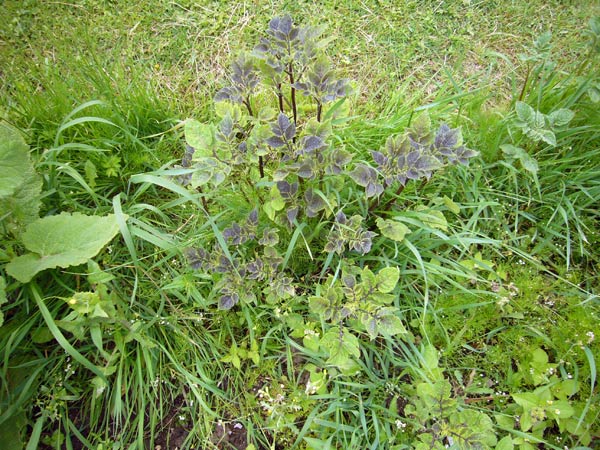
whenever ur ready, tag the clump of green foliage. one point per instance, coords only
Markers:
(305, 192)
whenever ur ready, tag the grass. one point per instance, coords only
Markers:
(100, 90)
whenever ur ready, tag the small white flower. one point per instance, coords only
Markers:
(591, 336)
(400, 425)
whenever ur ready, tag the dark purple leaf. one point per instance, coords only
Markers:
(291, 214)
(283, 121)
(379, 158)
(373, 189)
(197, 257)
(228, 301)
(314, 202)
(287, 190)
(312, 143)
(363, 175)
(290, 131)
(275, 142)
(253, 218)
(306, 170)
(446, 137)
(340, 218)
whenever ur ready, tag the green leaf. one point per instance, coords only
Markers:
(525, 112)
(13, 432)
(542, 135)
(41, 335)
(594, 92)
(433, 218)
(83, 302)
(388, 323)
(559, 409)
(274, 204)
(3, 298)
(420, 129)
(386, 279)
(527, 162)
(451, 205)
(341, 345)
(430, 358)
(560, 117)
(392, 229)
(505, 443)
(14, 160)
(200, 136)
(90, 173)
(527, 400)
(318, 305)
(63, 240)
(20, 186)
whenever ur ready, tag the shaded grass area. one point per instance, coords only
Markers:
(515, 272)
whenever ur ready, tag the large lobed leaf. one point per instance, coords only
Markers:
(63, 240)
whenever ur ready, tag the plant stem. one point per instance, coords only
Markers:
(261, 168)
(293, 94)
(248, 107)
(319, 110)
(203, 198)
(391, 201)
(280, 97)
(522, 94)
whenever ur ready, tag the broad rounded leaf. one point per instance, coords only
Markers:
(560, 117)
(525, 112)
(390, 324)
(61, 241)
(387, 278)
(14, 160)
(200, 136)
(392, 229)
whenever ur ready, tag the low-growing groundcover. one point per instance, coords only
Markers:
(304, 278)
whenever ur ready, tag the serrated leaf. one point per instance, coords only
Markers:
(392, 229)
(319, 305)
(201, 136)
(312, 143)
(420, 129)
(386, 279)
(63, 240)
